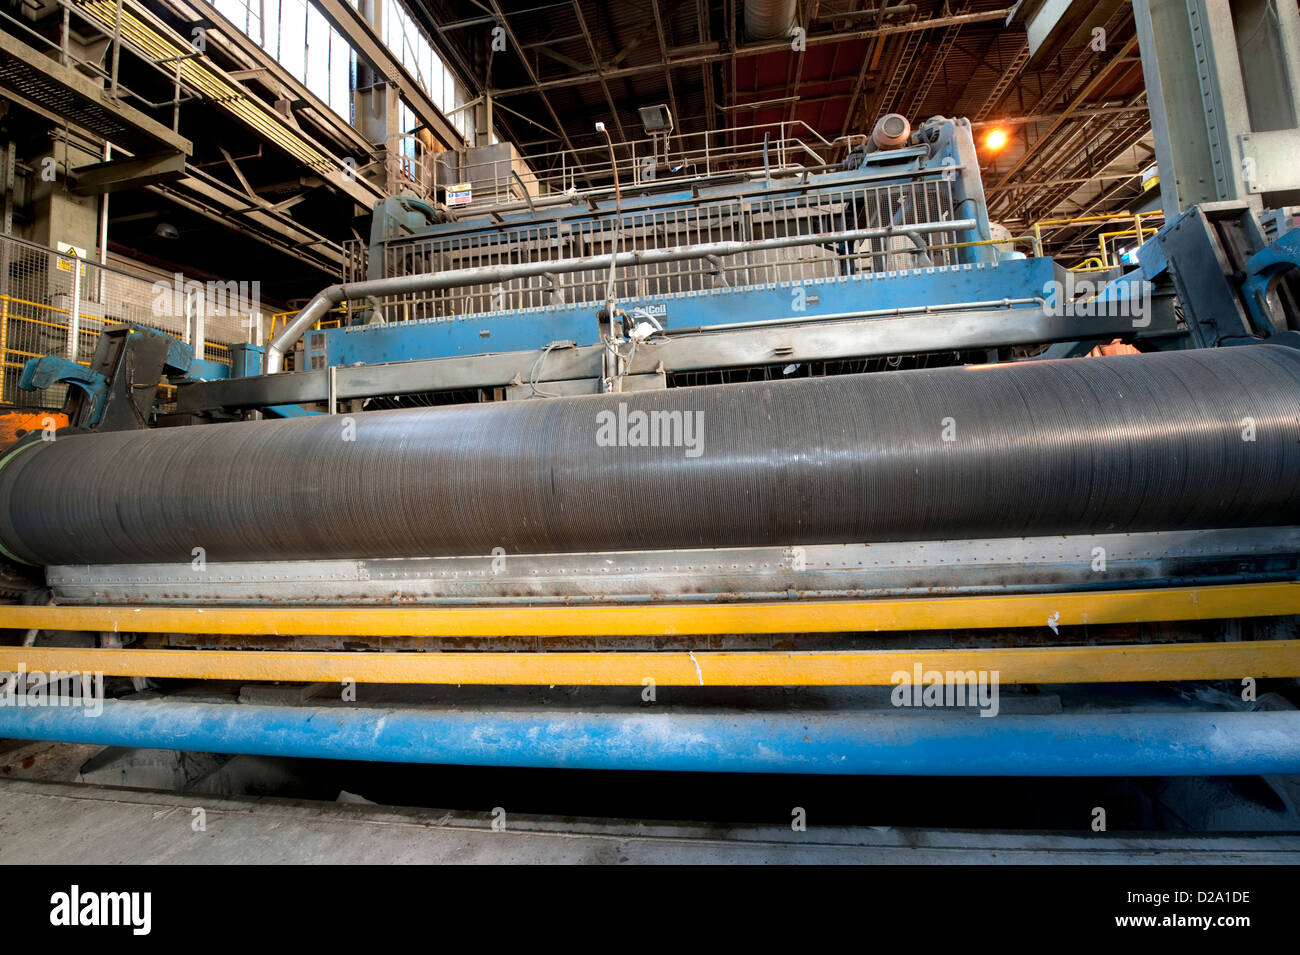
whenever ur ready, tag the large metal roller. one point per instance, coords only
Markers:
(1207, 438)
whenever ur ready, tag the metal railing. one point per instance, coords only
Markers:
(408, 167)
(54, 303)
(280, 319)
(105, 65)
(682, 157)
(1138, 231)
(356, 258)
(900, 206)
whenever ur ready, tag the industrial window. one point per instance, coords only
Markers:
(408, 42)
(245, 14)
(299, 36)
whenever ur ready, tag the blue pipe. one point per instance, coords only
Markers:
(842, 742)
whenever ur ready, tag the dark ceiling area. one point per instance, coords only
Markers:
(1073, 114)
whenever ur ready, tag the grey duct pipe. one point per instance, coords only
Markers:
(1182, 440)
(319, 306)
(769, 19)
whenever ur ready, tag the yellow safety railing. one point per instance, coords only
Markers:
(4, 343)
(17, 312)
(332, 319)
(1091, 264)
(1136, 229)
(11, 311)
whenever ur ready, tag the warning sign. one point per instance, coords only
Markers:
(65, 265)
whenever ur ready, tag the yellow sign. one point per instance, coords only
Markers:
(65, 265)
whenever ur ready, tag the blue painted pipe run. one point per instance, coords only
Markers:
(842, 742)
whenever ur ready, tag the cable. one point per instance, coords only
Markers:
(541, 363)
(626, 365)
(610, 298)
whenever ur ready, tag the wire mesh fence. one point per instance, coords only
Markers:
(54, 303)
(896, 206)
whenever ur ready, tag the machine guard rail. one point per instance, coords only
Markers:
(405, 284)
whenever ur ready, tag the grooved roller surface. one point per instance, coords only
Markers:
(1123, 443)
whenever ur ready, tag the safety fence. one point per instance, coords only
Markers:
(56, 303)
(914, 213)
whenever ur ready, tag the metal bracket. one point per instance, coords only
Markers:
(40, 373)
(1268, 160)
(1263, 269)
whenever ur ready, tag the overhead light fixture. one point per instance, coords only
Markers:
(165, 230)
(996, 139)
(656, 120)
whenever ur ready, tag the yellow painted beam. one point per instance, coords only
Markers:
(802, 616)
(1108, 664)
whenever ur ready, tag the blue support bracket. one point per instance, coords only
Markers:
(246, 360)
(1263, 268)
(50, 370)
(179, 354)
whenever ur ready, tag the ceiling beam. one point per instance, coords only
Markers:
(689, 56)
(1091, 87)
(595, 58)
(532, 75)
(663, 54)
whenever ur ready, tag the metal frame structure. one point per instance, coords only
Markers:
(1236, 140)
(722, 575)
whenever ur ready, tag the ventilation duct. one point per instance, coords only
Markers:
(768, 19)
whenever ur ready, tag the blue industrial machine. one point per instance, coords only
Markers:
(772, 269)
(794, 264)
(687, 434)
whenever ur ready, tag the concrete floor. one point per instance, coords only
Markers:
(61, 823)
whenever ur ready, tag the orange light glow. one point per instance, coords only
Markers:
(996, 139)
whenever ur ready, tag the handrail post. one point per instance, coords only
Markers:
(117, 47)
(4, 343)
(74, 319)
